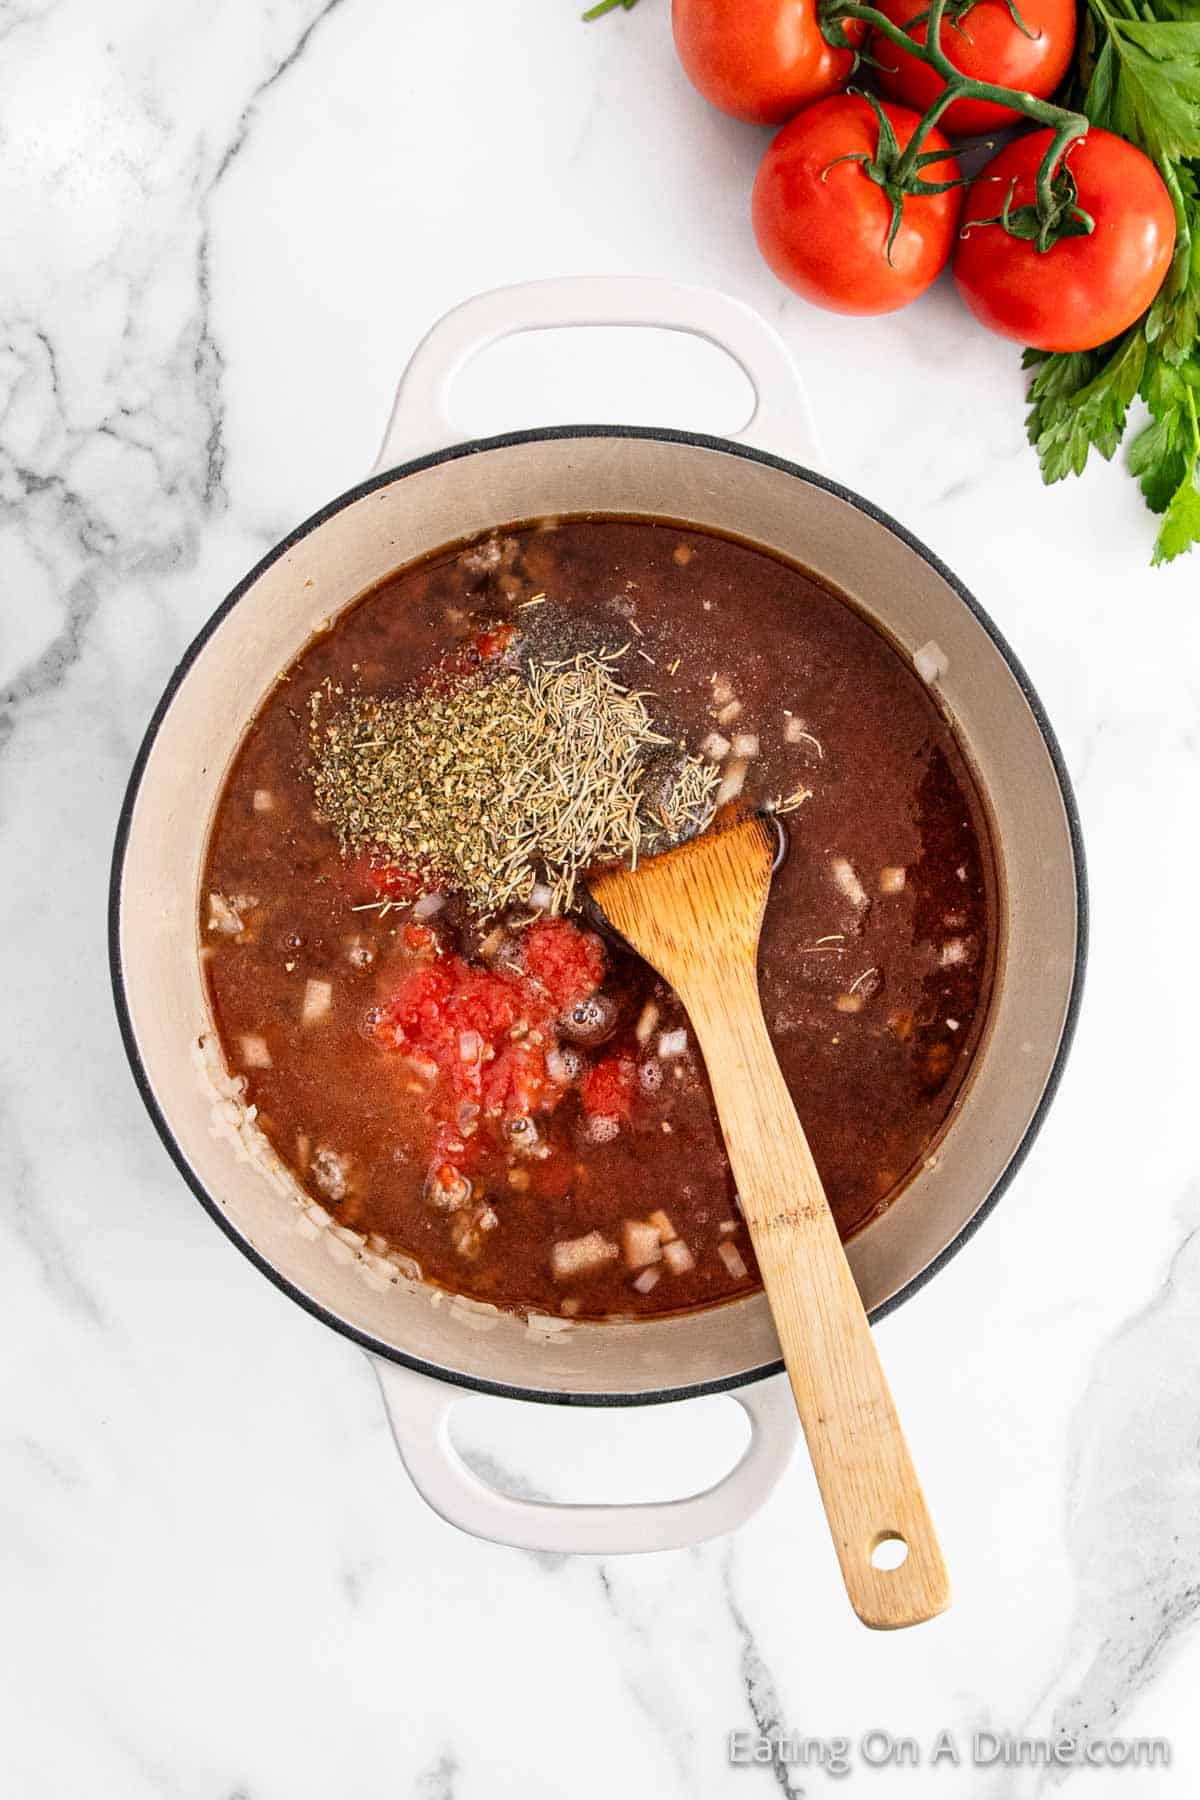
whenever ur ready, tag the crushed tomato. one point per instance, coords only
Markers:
(484, 1034)
(568, 963)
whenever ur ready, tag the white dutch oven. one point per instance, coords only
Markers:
(424, 495)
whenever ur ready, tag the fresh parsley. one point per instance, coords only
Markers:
(1138, 74)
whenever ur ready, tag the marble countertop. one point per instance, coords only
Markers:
(225, 226)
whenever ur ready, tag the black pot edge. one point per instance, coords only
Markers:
(506, 440)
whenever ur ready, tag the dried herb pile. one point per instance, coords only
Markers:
(501, 782)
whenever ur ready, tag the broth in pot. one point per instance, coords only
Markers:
(437, 1040)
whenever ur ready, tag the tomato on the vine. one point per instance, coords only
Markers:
(1086, 288)
(1029, 49)
(823, 222)
(760, 60)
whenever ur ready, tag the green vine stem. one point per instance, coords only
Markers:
(1052, 207)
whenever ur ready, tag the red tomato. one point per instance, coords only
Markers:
(759, 59)
(987, 43)
(1082, 291)
(824, 229)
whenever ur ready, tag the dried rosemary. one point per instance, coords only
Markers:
(501, 782)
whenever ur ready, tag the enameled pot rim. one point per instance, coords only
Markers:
(451, 454)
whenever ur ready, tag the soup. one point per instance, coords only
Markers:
(440, 1039)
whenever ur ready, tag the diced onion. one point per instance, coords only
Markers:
(892, 879)
(428, 905)
(255, 1053)
(731, 1257)
(223, 916)
(423, 1067)
(318, 998)
(663, 1226)
(954, 952)
(845, 877)
(470, 1046)
(729, 712)
(715, 747)
(931, 661)
(563, 1065)
(732, 781)
(264, 800)
(678, 1257)
(849, 1003)
(721, 690)
(330, 1173)
(648, 1279)
(541, 896)
(745, 743)
(727, 1227)
(447, 1188)
(647, 1020)
(640, 1243)
(581, 1256)
(672, 1043)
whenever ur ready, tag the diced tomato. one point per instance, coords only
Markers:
(463, 1019)
(418, 938)
(515, 1083)
(486, 1033)
(608, 1088)
(568, 963)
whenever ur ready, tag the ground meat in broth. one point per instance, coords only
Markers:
(617, 1198)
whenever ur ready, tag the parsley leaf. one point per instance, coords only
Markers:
(1180, 528)
(1146, 84)
(1138, 74)
(1079, 402)
(1165, 456)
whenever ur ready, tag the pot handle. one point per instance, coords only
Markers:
(419, 1409)
(420, 421)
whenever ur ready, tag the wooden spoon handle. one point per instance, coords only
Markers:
(867, 1481)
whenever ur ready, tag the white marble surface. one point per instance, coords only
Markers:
(224, 225)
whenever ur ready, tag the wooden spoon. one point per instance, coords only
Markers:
(695, 914)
